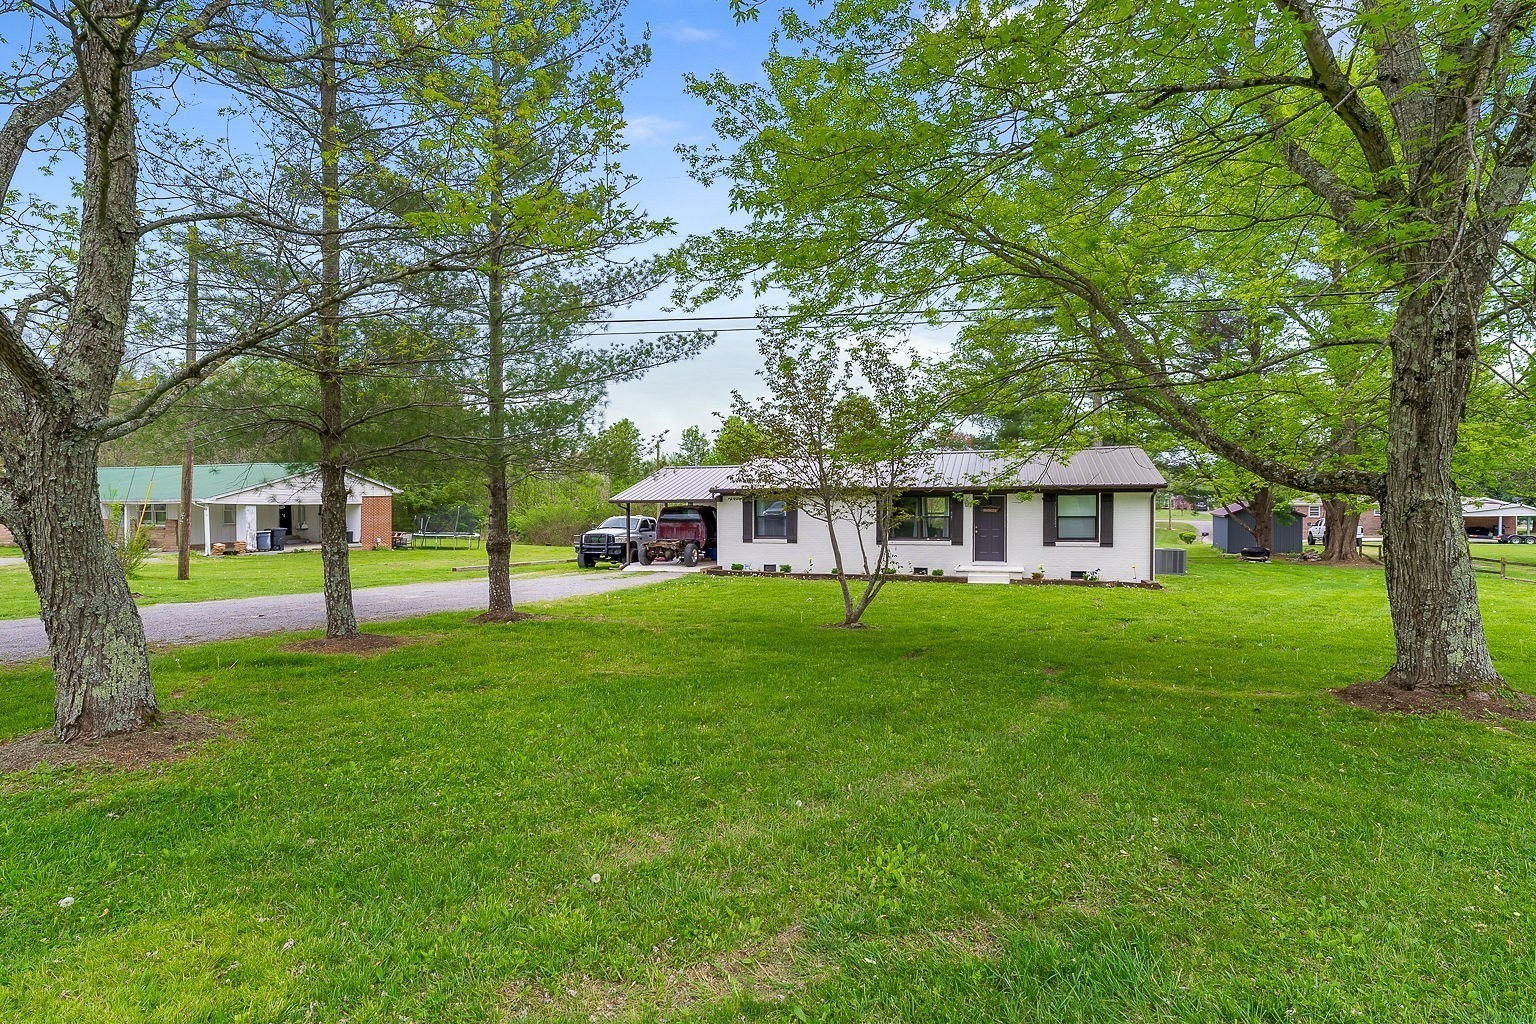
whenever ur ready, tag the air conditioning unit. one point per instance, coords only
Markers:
(1169, 561)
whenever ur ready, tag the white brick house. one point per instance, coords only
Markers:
(976, 514)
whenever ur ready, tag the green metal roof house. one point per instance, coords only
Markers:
(238, 501)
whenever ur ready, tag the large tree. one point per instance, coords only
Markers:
(1132, 166)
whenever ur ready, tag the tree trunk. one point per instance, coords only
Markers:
(340, 618)
(96, 639)
(1262, 510)
(1430, 582)
(184, 513)
(498, 539)
(1342, 523)
(95, 636)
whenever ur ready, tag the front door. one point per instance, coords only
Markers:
(991, 537)
(285, 517)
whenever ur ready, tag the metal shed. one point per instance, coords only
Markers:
(1232, 530)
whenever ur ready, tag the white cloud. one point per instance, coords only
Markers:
(682, 32)
(651, 128)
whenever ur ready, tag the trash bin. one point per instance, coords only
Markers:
(263, 540)
(279, 536)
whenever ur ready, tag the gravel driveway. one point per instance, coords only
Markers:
(196, 622)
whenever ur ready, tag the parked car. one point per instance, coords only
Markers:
(606, 542)
(1518, 538)
(681, 533)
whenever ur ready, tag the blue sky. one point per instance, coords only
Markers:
(687, 36)
(698, 37)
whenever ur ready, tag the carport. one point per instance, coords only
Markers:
(1492, 517)
(695, 487)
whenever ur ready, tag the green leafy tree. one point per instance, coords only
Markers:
(694, 448)
(838, 437)
(1121, 171)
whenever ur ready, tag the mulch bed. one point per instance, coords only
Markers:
(364, 643)
(1475, 706)
(177, 735)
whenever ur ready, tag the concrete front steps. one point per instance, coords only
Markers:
(990, 572)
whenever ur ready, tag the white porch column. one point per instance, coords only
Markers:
(248, 529)
(207, 534)
(126, 531)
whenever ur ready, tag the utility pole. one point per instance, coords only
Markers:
(184, 515)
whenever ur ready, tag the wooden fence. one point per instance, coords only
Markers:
(1505, 568)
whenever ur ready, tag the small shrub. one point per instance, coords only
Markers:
(938, 572)
(1188, 538)
(784, 568)
(737, 567)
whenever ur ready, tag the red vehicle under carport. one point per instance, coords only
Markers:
(684, 498)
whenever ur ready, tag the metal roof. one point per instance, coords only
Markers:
(1491, 507)
(162, 484)
(1117, 468)
(680, 484)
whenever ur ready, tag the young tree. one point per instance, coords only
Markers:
(839, 437)
(1130, 166)
(529, 172)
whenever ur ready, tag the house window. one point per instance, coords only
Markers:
(771, 519)
(1314, 511)
(229, 515)
(153, 515)
(922, 517)
(1077, 517)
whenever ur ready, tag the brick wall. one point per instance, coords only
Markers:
(377, 522)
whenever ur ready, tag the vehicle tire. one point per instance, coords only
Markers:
(645, 555)
(584, 561)
(690, 554)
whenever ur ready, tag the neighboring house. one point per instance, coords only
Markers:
(236, 501)
(1495, 517)
(1232, 530)
(1311, 512)
(970, 513)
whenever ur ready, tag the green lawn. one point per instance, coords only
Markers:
(692, 801)
(289, 572)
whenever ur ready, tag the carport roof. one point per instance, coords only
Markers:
(682, 484)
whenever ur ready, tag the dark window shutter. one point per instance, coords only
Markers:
(1107, 519)
(792, 525)
(747, 524)
(956, 521)
(1050, 519)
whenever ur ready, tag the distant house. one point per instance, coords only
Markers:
(971, 513)
(1311, 512)
(1232, 529)
(1495, 517)
(237, 501)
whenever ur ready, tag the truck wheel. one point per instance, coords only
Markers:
(583, 561)
(645, 555)
(690, 554)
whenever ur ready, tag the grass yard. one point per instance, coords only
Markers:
(289, 572)
(693, 802)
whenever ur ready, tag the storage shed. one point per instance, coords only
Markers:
(1232, 530)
